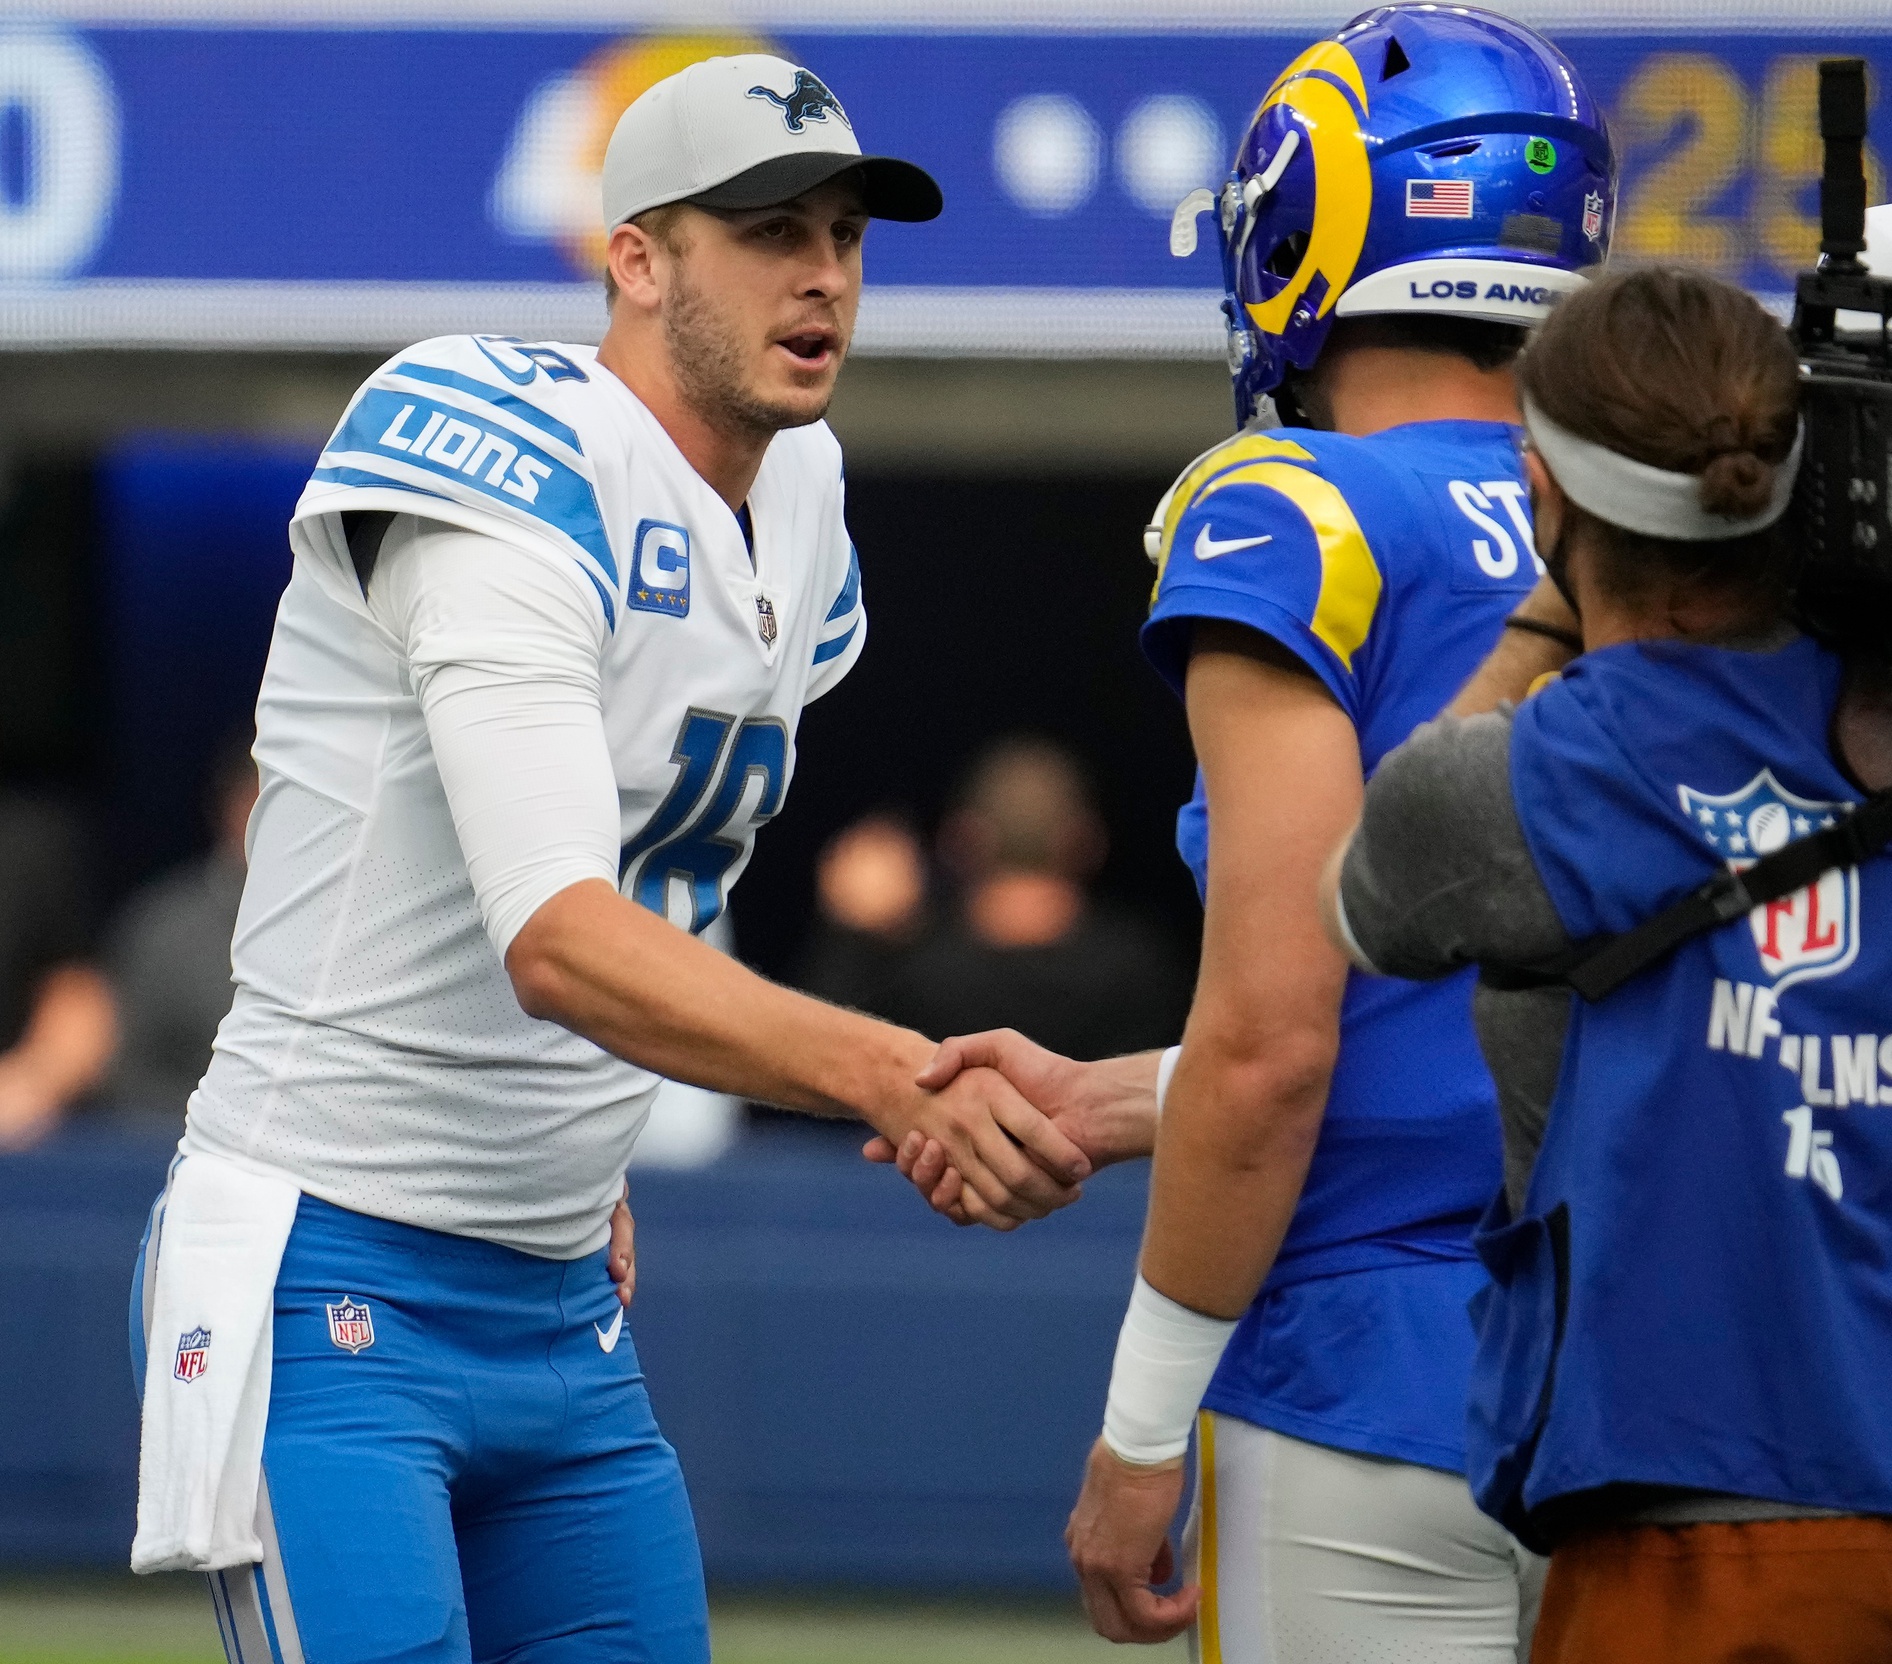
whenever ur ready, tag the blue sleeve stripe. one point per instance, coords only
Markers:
(445, 443)
(835, 648)
(362, 477)
(850, 595)
(604, 595)
(524, 409)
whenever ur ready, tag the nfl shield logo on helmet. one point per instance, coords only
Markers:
(1593, 215)
(193, 1354)
(1813, 932)
(351, 1324)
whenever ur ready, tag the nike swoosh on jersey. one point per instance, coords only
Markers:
(1207, 547)
(608, 1338)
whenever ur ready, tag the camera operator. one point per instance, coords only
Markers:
(1684, 1381)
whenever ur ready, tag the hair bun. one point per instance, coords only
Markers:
(1737, 484)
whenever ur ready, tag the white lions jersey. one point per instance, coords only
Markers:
(375, 1051)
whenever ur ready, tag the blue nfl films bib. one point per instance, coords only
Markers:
(1699, 1291)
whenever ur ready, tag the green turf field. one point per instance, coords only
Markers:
(166, 1620)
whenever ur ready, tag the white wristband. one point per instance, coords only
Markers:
(1165, 1356)
(1165, 1073)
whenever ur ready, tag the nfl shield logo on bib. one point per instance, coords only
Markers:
(351, 1325)
(193, 1354)
(1813, 932)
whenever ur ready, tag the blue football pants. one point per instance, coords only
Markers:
(483, 1481)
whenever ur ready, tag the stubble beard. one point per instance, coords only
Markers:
(707, 357)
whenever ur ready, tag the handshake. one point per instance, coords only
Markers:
(1006, 1131)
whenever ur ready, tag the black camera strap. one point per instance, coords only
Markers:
(1604, 963)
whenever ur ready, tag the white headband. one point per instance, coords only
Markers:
(1639, 498)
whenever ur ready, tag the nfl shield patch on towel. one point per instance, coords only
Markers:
(193, 1354)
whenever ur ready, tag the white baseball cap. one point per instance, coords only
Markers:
(747, 132)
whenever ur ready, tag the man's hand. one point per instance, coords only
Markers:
(633, 983)
(1108, 1110)
(1009, 1162)
(1118, 1536)
(622, 1260)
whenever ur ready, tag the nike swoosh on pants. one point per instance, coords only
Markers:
(608, 1338)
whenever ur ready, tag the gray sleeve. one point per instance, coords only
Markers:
(1439, 875)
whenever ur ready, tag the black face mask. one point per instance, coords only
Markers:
(1557, 565)
(1556, 559)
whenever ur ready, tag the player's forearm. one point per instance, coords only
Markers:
(1522, 656)
(1238, 1130)
(1244, 1108)
(1119, 1109)
(652, 994)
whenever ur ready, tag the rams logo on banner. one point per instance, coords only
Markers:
(547, 186)
(1813, 932)
(193, 1354)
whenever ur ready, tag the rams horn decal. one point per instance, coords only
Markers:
(1343, 180)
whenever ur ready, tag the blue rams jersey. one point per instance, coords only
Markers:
(1386, 565)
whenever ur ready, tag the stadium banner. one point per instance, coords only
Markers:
(265, 178)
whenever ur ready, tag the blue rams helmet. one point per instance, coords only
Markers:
(1433, 160)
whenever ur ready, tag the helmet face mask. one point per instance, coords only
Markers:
(1426, 161)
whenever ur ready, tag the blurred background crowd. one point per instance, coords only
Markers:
(109, 1005)
(113, 1012)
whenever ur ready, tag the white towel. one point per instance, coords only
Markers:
(209, 1347)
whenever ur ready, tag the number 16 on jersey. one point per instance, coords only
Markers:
(698, 832)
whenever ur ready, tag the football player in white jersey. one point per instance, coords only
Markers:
(533, 687)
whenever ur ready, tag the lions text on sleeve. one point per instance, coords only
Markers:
(375, 1051)
(1385, 566)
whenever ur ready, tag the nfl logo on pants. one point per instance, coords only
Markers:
(351, 1325)
(193, 1354)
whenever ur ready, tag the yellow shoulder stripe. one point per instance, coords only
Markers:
(1350, 582)
(1247, 447)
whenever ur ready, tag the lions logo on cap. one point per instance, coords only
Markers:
(1813, 932)
(808, 100)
